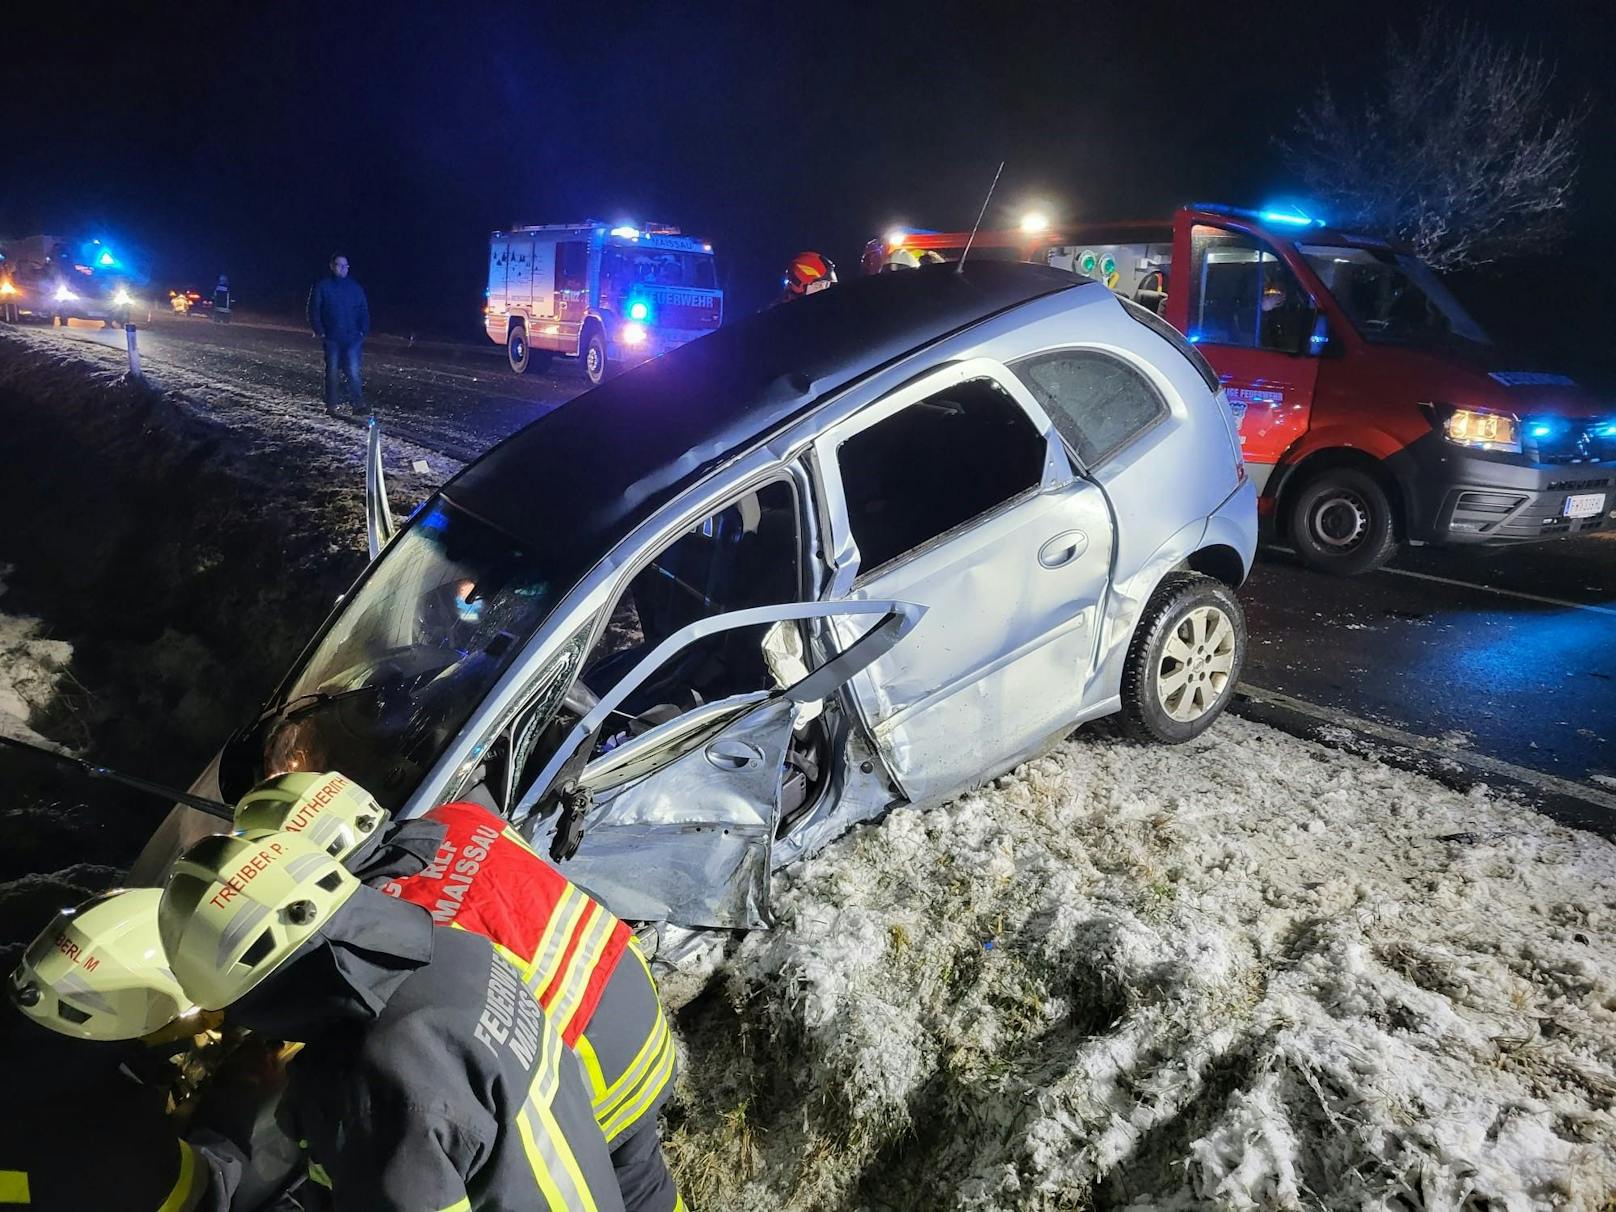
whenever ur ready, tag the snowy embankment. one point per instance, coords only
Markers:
(1250, 972)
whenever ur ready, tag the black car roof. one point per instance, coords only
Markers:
(574, 483)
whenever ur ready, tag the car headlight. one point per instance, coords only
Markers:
(121, 298)
(1499, 431)
(63, 295)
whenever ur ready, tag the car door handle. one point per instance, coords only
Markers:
(1063, 548)
(730, 754)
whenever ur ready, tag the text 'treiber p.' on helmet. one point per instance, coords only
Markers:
(236, 906)
(330, 810)
(809, 272)
(99, 972)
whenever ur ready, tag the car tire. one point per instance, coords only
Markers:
(596, 368)
(1184, 660)
(517, 349)
(1340, 521)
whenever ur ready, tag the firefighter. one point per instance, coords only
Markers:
(808, 273)
(472, 871)
(429, 1078)
(86, 1131)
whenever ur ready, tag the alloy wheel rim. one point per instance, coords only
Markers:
(1196, 664)
(1340, 521)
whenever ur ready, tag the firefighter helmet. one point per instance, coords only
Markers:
(330, 810)
(99, 972)
(809, 272)
(236, 906)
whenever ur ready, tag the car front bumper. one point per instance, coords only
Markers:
(1464, 496)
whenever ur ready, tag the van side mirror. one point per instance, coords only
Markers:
(1319, 338)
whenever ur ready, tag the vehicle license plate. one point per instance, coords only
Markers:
(1585, 505)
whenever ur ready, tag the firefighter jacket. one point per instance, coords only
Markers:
(430, 1078)
(573, 954)
(83, 1133)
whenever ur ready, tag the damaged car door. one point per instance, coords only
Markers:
(956, 492)
(677, 824)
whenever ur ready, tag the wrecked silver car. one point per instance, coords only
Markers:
(856, 552)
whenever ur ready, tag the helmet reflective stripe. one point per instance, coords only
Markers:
(230, 912)
(235, 934)
(99, 971)
(77, 987)
(328, 808)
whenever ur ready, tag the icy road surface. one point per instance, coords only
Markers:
(1250, 972)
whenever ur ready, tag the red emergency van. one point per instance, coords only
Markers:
(1374, 410)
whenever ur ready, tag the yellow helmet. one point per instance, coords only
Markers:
(332, 811)
(99, 971)
(236, 906)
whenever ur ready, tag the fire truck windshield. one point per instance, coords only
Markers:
(647, 266)
(1391, 298)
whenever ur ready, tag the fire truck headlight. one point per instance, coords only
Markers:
(638, 311)
(6, 288)
(63, 295)
(1483, 430)
(121, 298)
(633, 334)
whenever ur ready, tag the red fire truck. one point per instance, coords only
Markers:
(609, 296)
(1374, 409)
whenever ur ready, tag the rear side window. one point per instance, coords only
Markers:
(1098, 403)
(936, 465)
(1172, 336)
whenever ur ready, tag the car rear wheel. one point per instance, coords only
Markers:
(595, 365)
(1184, 660)
(1341, 523)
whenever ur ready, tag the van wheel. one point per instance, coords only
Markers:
(516, 349)
(595, 355)
(1184, 660)
(1341, 522)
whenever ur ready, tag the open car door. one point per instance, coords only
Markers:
(677, 824)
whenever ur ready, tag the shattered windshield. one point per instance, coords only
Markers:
(1391, 298)
(402, 667)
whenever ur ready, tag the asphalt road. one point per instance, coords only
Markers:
(1507, 655)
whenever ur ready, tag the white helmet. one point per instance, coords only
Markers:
(99, 971)
(330, 810)
(236, 906)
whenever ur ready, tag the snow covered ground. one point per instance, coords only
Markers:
(1251, 972)
(30, 667)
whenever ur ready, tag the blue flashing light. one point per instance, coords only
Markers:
(1295, 218)
(1194, 338)
(638, 311)
(627, 233)
(1606, 431)
(1540, 430)
(106, 259)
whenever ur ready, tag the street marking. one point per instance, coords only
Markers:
(1465, 757)
(1508, 593)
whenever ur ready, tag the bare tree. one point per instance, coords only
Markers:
(1454, 151)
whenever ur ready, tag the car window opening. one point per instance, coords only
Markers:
(936, 465)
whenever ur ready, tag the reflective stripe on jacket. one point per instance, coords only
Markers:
(459, 1095)
(487, 879)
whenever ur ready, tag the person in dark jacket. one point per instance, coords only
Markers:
(430, 1078)
(340, 316)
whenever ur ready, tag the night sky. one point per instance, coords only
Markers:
(255, 138)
